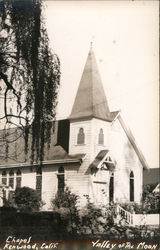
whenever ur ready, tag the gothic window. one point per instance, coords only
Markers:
(11, 179)
(101, 137)
(111, 188)
(18, 178)
(4, 178)
(131, 186)
(81, 136)
(39, 181)
(61, 183)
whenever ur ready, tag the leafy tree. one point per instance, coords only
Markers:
(27, 200)
(29, 76)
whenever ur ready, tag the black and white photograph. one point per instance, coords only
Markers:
(79, 124)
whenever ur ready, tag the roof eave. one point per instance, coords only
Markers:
(89, 118)
(49, 162)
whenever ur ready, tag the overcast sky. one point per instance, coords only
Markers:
(125, 42)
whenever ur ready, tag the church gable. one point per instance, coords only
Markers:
(127, 142)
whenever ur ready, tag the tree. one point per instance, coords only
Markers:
(29, 76)
(27, 200)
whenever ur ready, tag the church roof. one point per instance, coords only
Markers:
(16, 150)
(90, 100)
(98, 158)
(101, 157)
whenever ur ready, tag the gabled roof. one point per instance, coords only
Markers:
(16, 150)
(102, 160)
(133, 142)
(90, 100)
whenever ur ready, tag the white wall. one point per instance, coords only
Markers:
(127, 161)
(49, 185)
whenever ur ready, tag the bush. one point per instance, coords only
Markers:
(92, 221)
(65, 202)
(150, 200)
(27, 200)
(97, 219)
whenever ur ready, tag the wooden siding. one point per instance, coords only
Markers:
(49, 185)
(127, 161)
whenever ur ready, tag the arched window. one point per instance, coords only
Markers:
(18, 178)
(111, 188)
(4, 177)
(101, 137)
(39, 181)
(131, 186)
(11, 178)
(81, 136)
(60, 176)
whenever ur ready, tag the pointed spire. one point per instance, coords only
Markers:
(90, 100)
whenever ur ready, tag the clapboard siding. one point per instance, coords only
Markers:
(127, 161)
(49, 187)
(28, 178)
(86, 148)
(78, 181)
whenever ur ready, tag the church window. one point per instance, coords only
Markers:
(61, 183)
(131, 186)
(18, 178)
(111, 188)
(81, 136)
(11, 179)
(39, 181)
(101, 137)
(4, 178)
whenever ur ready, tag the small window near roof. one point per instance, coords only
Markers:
(81, 136)
(101, 137)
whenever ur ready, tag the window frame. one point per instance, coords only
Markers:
(81, 136)
(61, 178)
(11, 179)
(131, 187)
(101, 137)
(111, 188)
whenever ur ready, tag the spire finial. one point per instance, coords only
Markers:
(91, 44)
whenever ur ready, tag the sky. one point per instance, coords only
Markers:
(125, 38)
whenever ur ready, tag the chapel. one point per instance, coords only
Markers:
(92, 153)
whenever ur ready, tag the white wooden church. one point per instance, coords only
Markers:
(92, 153)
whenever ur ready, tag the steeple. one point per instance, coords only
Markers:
(90, 100)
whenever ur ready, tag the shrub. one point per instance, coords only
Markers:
(97, 219)
(150, 200)
(27, 200)
(66, 203)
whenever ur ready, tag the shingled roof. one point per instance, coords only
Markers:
(16, 149)
(90, 100)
